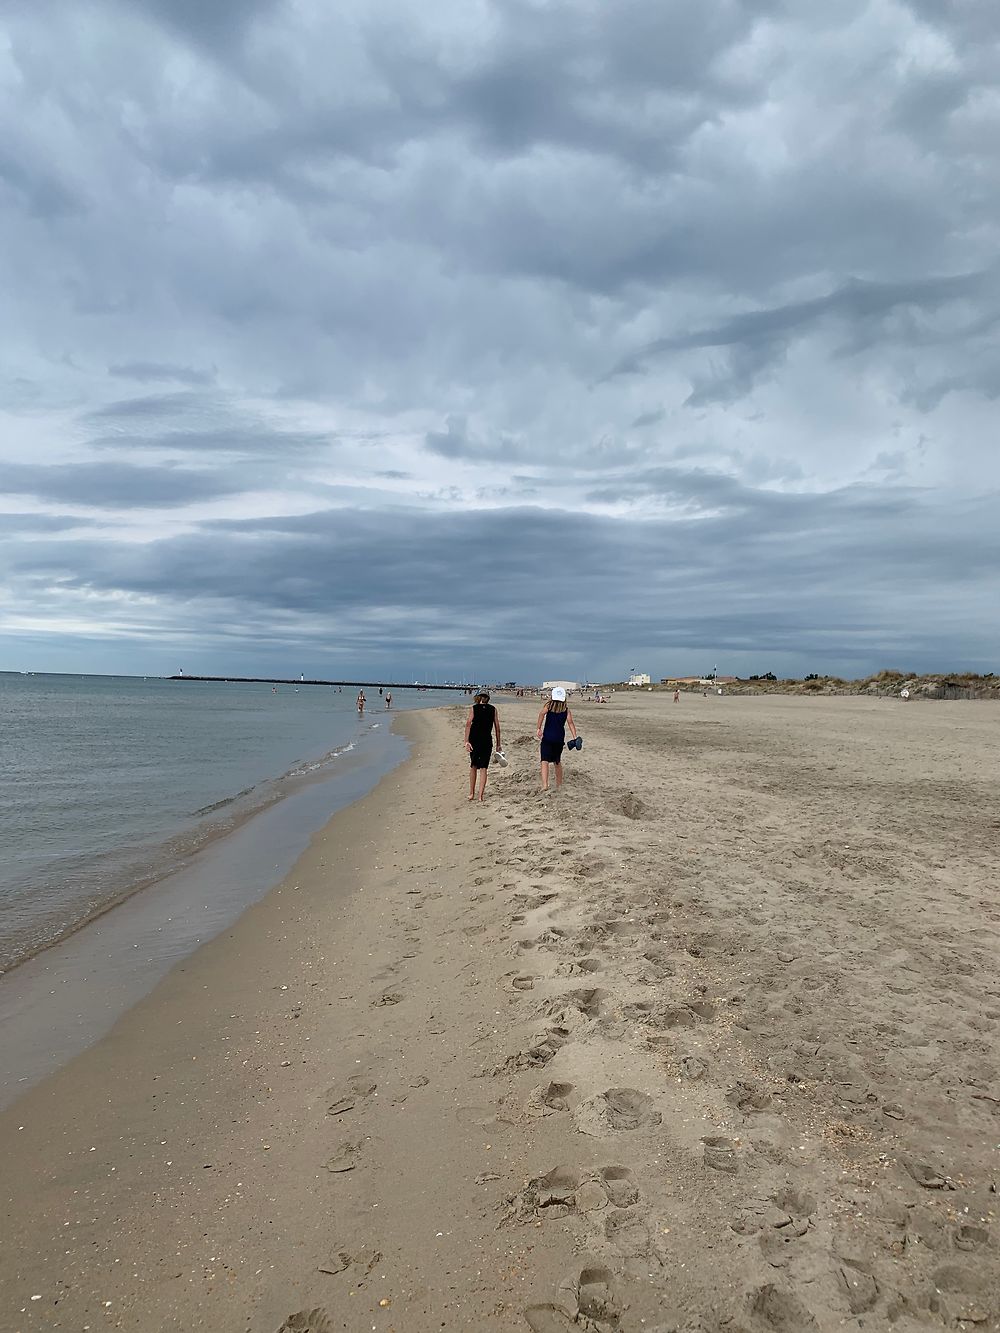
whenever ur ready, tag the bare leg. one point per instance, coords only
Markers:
(472, 783)
(545, 775)
(483, 775)
(558, 768)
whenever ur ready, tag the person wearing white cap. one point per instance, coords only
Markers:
(553, 720)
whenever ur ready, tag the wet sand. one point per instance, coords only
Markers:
(704, 1042)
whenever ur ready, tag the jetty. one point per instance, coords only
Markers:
(294, 680)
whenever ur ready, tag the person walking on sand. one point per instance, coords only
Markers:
(361, 703)
(480, 726)
(553, 720)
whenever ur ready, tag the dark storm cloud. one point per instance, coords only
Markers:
(249, 440)
(215, 22)
(651, 418)
(416, 558)
(149, 371)
(452, 442)
(36, 186)
(168, 405)
(114, 485)
(14, 524)
(192, 421)
(456, 442)
(859, 304)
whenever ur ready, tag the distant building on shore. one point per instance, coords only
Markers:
(570, 686)
(639, 678)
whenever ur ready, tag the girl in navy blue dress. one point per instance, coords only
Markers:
(553, 720)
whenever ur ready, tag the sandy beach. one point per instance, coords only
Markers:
(704, 1042)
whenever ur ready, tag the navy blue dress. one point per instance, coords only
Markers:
(554, 737)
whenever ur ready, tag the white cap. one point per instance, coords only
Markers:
(559, 694)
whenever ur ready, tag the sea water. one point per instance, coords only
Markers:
(109, 785)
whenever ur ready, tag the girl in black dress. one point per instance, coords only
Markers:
(481, 724)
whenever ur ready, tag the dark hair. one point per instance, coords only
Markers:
(482, 697)
(557, 706)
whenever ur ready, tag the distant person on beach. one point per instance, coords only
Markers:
(361, 703)
(481, 725)
(553, 720)
(677, 696)
(388, 700)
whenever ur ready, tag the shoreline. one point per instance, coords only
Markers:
(162, 918)
(178, 853)
(703, 1041)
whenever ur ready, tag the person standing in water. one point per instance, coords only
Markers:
(553, 720)
(388, 700)
(480, 726)
(361, 703)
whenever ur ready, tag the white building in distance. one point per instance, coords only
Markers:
(640, 678)
(570, 686)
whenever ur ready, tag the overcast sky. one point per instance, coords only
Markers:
(503, 338)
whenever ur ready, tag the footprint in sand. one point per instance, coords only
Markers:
(671, 1019)
(619, 1110)
(539, 1053)
(693, 1067)
(357, 1089)
(578, 967)
(798, 1204)
(523, 982)
(660, 963)
(587, 1301)
(632, 807)
(632, 1236)
(477, 1116)
(619, 1185)
(585, 1001)
(721, 1154)
(858, 1286)
(548, 1099)
(775, 1311)
(969, 1237)
(747, 1098)
(962, 1296)
(552, 936)
(566, 1189)
(596, 1296)
(549, 1319)
(345, 1158)
(307, 1321)
(927, 1176)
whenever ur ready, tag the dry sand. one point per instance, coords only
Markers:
(704, 1042)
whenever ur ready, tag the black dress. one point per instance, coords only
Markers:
(481, 735)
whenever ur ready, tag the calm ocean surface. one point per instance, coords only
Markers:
(108, 784)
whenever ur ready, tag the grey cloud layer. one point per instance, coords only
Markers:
(706, 283)
(747, 575)
(113, 485)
